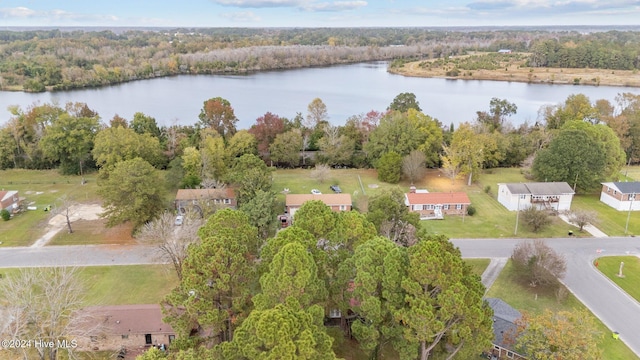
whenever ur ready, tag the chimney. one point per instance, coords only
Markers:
(412, 189)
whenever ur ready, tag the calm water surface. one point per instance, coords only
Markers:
(346, 90)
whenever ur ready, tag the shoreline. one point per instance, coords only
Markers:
(516, 73)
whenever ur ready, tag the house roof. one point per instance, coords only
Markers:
(632, 187)
(504, 317)
(7, 194)
(539, 188)
(437, 198)
(191, 194)
(328, 199)
(131, 319)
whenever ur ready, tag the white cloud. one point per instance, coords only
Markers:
(335, 5)
(260, 3)
(242, 16)
(21, 12)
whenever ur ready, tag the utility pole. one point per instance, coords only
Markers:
(626, 227)
(515, 232)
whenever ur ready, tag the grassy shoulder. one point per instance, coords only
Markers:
(122, 285)
(610, 266)
(513, 68)
(534, 300)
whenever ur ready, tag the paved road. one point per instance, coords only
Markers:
(82, 255)
(617, 310)
(614, 307)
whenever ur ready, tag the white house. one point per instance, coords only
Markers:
(543, 195)
(621, 195)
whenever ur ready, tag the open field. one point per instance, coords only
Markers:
(123, 285)
(515, 70)
(524, 298)
(610, 265)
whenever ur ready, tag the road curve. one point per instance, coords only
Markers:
(609, 303)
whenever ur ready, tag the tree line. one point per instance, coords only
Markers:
(59, 60)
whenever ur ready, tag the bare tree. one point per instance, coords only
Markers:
(581, 218)
(171, 241)
(413, 165)
(65, 209)
(321, 173)
(535, 219)
(45, 304)
(538, 263)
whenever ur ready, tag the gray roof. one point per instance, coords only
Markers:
(628, 187)
(540, 188)
(504, 317)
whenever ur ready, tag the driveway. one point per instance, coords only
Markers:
(609, 303)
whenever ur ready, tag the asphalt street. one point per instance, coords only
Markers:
(615, 308)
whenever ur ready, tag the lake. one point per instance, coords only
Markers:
(346, 90)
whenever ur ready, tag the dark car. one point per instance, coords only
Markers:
(335, 188)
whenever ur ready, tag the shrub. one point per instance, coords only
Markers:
(487, 189)
(471, 210)
(5, 214)
(390, 167)
(538, 263)
(535, 219)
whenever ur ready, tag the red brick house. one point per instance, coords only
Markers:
(621, 195)
(337, 202)
(133, 327)
(436, 205)
(199, 199)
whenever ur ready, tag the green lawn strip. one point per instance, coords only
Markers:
(524, 298)
(610, 266)
(478, 266)
(612, 222)
(492, 177)
(123, 285)
(632, 172)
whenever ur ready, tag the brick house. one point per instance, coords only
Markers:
(504, 330)
(9, 200)
(436, 205)
(199, 199)
(621, 195)
(337, 202)
(133, 327)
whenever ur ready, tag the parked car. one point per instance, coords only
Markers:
(179, 220)
(335, 188)
(315, 192)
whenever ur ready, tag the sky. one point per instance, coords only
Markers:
(317, 13)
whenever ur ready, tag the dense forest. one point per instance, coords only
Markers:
(59, 60)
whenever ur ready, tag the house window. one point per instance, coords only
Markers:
(125, 336)
(445, 206)
(147, 339)
(458, 206)
(343, 207)
(227, 201)
(171, 338)
(632, 196)
(509, 354)
(608, 189)
(615, 192)
(425, 207)
(523, 197)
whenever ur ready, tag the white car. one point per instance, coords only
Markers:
(315, 192)
(179, 220)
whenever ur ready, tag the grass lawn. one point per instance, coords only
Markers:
(612, 222)
(478, 266)
(123, 285)
(632, 172)
(94, 232)
(40, 188)
(524, 298)
(610, 265)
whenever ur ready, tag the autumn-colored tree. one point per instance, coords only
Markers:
(336, 149)
(413, 165)
(265, 130)
(567, 335)
(465, 153)
(316, 113)
(112, 145)
(242, 142)
(218, 114)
